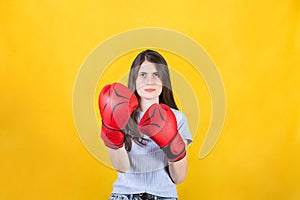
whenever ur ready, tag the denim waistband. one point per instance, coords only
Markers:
(141, 196)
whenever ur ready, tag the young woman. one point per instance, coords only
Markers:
(146, 134)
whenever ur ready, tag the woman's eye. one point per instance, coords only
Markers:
(143, 75)
(156, 74)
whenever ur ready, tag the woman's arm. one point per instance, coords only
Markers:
(178, 169)
(119, 159)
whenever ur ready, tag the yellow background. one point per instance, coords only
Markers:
(255, 45)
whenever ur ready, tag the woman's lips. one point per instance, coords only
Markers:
(149, 90)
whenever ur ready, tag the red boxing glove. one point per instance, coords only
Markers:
(159, 123)
(116, 103)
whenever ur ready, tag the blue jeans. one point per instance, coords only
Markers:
(115, 196)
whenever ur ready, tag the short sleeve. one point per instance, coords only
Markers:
(183, 127)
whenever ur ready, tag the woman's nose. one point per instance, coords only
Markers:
(150, 79)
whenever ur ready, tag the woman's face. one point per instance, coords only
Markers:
(148, 83)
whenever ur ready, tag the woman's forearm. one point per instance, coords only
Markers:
(178, 170)
(119, 159)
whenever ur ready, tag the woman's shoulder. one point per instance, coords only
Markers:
(178, 114)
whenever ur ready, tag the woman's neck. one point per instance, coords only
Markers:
(145, 104)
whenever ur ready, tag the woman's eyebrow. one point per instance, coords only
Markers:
(148, 72)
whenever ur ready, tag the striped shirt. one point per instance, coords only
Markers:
(148, 165)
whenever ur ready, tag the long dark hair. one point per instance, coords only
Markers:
(166, 96)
